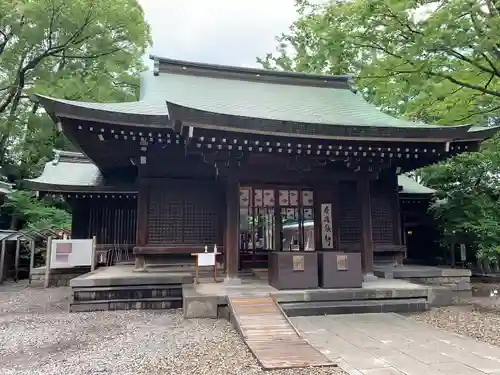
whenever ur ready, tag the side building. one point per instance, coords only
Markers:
(231, 156)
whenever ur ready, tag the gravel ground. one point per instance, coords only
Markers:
(38, 336)
(477, 317)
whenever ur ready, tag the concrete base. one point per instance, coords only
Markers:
(196, 305)
(380, 295)
(458, 280)
(440, 296)
(232, 281)
(120, 288)
(367, 277)
(200, 307)
(58, 277)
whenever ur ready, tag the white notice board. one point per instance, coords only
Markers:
(206, 259)
(71, 253)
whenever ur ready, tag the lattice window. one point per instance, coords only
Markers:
(349, 213)
(182, 216)
(382, 218)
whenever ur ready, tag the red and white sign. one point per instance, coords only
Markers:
(71, 253)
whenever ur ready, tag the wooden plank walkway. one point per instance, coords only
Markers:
(270, 336)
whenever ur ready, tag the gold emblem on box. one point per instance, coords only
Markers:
(342, 262)
(298, 262)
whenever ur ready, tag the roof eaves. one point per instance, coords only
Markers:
(55, 188)
(196, 117)
(140, 113)
(480, 133)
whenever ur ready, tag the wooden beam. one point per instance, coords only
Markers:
(2, 261)
(93, 258)
(16, 259)
(48, 254)
(366, 225)
(232, 243)
(142, 214)
(32, 258)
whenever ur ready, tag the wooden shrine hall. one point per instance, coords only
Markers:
(256, 162)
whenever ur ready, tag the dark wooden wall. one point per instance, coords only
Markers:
(384, 215)
(184, 212)
(111, 220)
(349, 216)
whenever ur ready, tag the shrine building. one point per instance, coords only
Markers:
(253, 161)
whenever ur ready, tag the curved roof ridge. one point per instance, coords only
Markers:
(163, 64)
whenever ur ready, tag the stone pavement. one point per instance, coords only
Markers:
(390, 344)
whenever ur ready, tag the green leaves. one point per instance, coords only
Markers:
(468, 206)
(37, 214)
(82, 50)
(438, 62)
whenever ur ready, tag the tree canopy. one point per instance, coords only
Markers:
(432, 61)
(81, 50)
(35, 213)
(435, 61)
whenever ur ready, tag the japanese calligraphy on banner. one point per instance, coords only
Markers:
(245, 197)
(326, 226)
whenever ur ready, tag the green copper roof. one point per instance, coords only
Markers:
(253, 100)
(411, 186)
(272, 101)
(69, 169)
(263, 100)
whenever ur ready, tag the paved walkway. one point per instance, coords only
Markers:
(390, 344)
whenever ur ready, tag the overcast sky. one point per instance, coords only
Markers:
(231, 32)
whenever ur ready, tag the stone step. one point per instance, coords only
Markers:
(126, 304)
(355, 294)
(123, 293)
(354, 307)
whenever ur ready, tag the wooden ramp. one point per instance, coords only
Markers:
(270, 336)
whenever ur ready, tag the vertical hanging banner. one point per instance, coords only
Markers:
(326, 226)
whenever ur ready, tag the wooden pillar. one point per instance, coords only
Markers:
(16, 259)
(231, 241)
(142, 222)
(2, 260)
(48, 255)
(32, 258)
(142, 214)
(93, 257)
(366, 225)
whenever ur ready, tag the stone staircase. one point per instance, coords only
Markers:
(127, 297)
(115, 289)
(358, 301)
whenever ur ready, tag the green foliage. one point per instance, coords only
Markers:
(431, 61)
(438, 62)
(468, 206)
(81, 50)
(37, 213)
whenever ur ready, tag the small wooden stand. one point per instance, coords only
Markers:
(205, 260)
